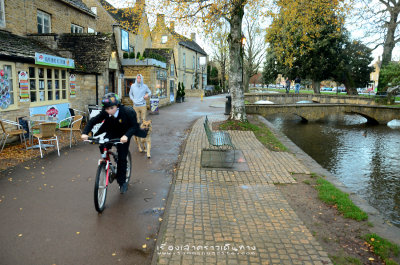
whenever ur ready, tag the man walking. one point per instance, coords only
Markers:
(139, 93)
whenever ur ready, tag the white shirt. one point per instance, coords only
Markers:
(115, 114)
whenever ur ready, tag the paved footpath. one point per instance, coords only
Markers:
(234, 217)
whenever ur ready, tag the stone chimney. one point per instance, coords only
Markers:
(139, 6)
(193, 36)
(172, 25)
(160, 21)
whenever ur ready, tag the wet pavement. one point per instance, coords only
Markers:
(175, 211)
(47, 208)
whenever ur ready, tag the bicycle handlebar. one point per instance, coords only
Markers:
(103, 141)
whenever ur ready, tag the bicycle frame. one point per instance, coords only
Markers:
(107, 159)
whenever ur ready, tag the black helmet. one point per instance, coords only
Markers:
(110, 99)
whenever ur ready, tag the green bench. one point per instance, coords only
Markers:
(220, 142)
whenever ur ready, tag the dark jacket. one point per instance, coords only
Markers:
(124, 124)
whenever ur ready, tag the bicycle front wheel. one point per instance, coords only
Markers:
(128, 167)
(100, 188)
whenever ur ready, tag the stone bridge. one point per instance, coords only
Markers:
(314, 112)
(282, 98)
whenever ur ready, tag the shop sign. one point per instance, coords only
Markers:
(23, 86)
(72, 85)
(50, 60)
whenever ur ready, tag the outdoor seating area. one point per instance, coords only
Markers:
(37, 133)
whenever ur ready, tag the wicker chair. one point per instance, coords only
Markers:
(47, 134)
(6, 133)
(74, 126)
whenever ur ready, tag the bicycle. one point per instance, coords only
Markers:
(106, 171)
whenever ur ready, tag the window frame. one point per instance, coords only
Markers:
(124, 39)
(2, 14)
(43, 14)
(15, 88)
(59, 78)
(76, 27)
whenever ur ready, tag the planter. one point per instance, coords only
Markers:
(150, 62)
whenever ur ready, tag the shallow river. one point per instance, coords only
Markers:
(366, 158)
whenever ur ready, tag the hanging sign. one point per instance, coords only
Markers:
(72, 84)
(45, 59)
(23, 86)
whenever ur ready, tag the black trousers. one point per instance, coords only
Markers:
(122, 150)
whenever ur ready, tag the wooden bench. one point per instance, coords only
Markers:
(219, 141)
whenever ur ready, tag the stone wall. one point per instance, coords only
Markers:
(194, 92)
(293, 98)
(21, 16)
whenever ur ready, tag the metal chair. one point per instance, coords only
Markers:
(20, 131)
(35, 121)
(47, 134)
(74, 126)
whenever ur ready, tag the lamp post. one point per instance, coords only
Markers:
(243, 43)
(203, 60)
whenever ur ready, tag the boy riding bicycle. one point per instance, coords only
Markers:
(119, 122)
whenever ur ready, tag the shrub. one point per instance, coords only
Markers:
(131, 55)
(125, 55)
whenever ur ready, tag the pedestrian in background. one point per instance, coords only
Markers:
(139, 93)
(297, 82)
(287, 85)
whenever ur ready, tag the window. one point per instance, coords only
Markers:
(194, 63)
(184, 61)
(47, 84)
(90, 30)
(124, 40)
(94, 10)
(172, 70)
(43, 20)
(8, 95)
(2, 14)
(76, 29)
(164, 39)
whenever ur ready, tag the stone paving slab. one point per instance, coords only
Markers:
(234, 217)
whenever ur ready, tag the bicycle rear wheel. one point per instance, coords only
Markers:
(100, 188)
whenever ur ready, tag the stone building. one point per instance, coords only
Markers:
(133, 23)
(159, 75)
(49, 58)
(190, 57)
(374, 76)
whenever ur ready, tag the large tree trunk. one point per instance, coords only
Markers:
(236, 67)
(390, 36)
(316, 86)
